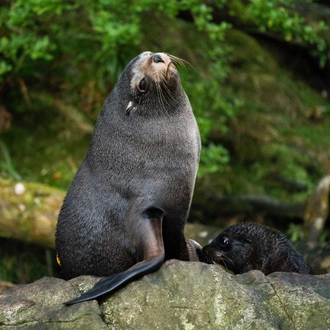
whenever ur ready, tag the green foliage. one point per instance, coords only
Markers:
(213, 159)
(77, 50)
(290, 162)
(23, 39)
(325, 236)
(7, 163)
(36, 29)
(281, 16)
(295, 233)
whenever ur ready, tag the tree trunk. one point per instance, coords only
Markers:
(317, 210)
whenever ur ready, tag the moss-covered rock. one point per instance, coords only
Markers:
(29, 211)
(180, 295)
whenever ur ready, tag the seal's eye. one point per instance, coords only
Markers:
(223, 242)
(143, 85)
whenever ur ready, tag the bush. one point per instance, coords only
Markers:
(76, 50)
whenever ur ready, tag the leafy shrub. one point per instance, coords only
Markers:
(66, 47)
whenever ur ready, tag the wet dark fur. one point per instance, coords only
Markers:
(248, 246)
(136, 179)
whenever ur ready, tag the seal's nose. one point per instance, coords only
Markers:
(157, 58)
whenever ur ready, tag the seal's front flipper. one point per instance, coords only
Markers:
(150, 249)
(190, 250)
(194, 250)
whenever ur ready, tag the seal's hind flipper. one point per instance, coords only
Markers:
(150, 248)
(111, 283)
(94, 292)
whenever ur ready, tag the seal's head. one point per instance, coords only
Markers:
(154, 83)
(229, 249)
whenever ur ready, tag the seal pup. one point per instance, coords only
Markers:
(125, 211)
(248, 246)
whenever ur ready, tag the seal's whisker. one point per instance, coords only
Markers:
(228, 259)
(222, 260)
(178, 60)
(168, 91)
(161, 97)
(181, 62)
(166, 86)
(168, 97)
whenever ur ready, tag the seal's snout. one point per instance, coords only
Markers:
(208, 254)
(157, 58)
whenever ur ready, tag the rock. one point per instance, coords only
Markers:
(198, 296)
(180, 295)
(4, 285)
(40, 306)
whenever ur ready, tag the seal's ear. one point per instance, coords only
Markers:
(130, 107)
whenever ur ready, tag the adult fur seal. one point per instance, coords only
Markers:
(247, 246)
(125, 211)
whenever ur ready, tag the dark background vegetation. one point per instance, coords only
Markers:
(259, 84)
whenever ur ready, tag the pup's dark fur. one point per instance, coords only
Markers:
(248, 246)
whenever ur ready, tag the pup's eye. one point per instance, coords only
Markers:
(224, 241)
(143, 85)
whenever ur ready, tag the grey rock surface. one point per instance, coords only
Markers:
(181, 295)
(39, 305)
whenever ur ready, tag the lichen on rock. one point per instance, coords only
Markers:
(181, 295)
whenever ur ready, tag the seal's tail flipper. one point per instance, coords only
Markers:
(110, 283)
(150, 249)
